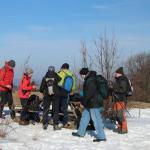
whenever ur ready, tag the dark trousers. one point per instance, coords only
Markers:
(55, 107)
(64, 101)
(23, 102)
(23, 115)
(6, 97)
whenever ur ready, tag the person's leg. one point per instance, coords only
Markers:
(3, 102)
(64, 109)
(124, 128)
(84, 122)
(121, 118)
(23, 115)
(11, 105)
(55, 106)
(23, 103)
(46, 105)
(98, 123)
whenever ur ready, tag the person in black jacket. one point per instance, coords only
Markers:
(49, 88)
(92, 104)
(119, 99)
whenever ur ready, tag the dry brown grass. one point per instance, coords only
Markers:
(142, 105)
(131, 104)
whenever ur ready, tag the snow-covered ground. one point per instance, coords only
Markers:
(33, 137)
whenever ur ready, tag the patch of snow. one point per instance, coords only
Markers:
(33, 137)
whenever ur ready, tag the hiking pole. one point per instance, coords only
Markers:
(122, 105)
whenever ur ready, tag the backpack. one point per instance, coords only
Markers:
(68, 82)
(129, 90)
(102, 86)
(50, 85)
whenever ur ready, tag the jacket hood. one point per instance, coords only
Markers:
(50, 74)
(91, 74)
(7, 66)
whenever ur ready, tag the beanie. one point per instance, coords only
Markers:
(28, 71)
(84, 71)
(120, 70)
(65, 66)
(12, 63)
(51, 68)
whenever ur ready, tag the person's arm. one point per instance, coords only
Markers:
(26, 86)
(57, 78)
(43, 85)
(7, 81)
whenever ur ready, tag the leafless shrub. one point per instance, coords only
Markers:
(5, 127)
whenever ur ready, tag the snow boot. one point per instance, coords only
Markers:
(99, 140)
(45, 126)
(56, 127)
(76, 134)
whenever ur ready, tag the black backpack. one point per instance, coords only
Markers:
(102, 86)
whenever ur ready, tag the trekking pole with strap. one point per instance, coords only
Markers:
(121, 104)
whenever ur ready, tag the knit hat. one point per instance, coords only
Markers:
(65, 66)
(120, 70)
(12, 63)
(84, 71)
(51, 68)
(28, 71)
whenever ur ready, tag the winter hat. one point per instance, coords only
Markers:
(28, 71)
(120, 70)
(84, 71)
(65, 66)
(51, 68)
(12, 63)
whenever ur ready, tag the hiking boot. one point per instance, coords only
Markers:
(99, 140)
(32, 122)
(76, 134)
(23, 122)
(56, 127)
(117, 130)
(45, 126)
(122, 132)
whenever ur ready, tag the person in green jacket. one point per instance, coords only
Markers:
(67, 85)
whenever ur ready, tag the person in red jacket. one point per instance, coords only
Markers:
(25, 89)
(6, 86)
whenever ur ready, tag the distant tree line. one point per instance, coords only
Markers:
(139, 73)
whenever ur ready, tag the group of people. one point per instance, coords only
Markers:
(56, 91)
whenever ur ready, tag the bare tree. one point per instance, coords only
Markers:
(106, 55)
(84, 54)
(139, 72)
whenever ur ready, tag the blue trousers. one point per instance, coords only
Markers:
(64, 108)
(95, 115)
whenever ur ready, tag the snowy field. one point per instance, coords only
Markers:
(33, 137)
